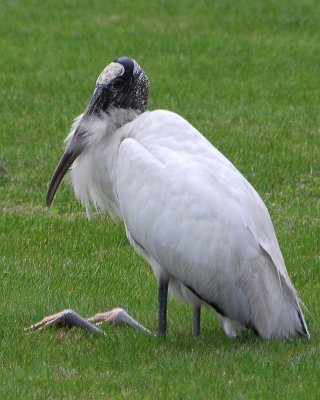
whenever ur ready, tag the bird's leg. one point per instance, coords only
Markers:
(196, 320)
(162, 306)
(65, 319)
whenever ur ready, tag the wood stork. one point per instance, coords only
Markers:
(187, 210)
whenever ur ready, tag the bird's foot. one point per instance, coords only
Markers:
(118, 316)
(64, 319)
(57, 320)
(69, 319)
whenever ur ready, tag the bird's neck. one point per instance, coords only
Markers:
(92, 174)
(118, 117)
(100, 128)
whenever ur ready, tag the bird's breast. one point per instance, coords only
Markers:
(93, 174)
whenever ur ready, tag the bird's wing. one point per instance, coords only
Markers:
(185, 211)
(168, 169)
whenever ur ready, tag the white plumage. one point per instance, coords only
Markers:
(189, 212)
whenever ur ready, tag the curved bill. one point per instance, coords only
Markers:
(100, 99)
(65, 163)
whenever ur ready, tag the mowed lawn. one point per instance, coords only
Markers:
(246, 74)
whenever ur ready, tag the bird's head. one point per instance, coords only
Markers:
(122, 84)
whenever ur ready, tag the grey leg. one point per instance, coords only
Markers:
(196, 320)
(162, 306)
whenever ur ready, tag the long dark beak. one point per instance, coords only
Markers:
(99, 101)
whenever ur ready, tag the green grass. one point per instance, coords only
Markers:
(244, 73)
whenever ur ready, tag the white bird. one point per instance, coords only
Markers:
(187, 210)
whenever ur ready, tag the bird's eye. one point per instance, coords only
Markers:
(117, 83)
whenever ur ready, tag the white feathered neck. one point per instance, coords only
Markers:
(93, 171)
(97, 128)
